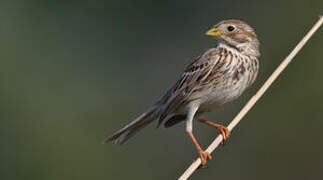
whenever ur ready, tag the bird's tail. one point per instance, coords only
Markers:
(131, 129)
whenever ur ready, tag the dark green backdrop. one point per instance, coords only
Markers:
(73, 72)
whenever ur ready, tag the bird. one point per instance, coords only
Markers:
(216, 77)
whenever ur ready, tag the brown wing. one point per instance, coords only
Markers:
(191, 79)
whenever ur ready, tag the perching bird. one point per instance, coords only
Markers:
(220, 75)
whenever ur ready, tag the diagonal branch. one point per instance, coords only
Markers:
(255, 98)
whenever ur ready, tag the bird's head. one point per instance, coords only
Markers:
(237, 34)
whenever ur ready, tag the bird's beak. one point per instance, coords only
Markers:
(214, 32)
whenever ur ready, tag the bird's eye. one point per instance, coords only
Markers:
(231, 28)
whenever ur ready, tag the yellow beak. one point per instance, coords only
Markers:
(214, 32)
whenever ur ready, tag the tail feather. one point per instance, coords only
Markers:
(131, 129)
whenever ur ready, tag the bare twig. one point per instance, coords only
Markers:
(255, 98)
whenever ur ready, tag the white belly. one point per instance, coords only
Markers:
(221, 94)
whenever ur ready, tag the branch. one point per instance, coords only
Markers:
(255, 98)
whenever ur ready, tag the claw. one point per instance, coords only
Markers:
(224, 131)
(204, 156)
(225, 134)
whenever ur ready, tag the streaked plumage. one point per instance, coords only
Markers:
(218, 76)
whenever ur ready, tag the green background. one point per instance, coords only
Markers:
(73, 72)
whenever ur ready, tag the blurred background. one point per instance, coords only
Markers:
(74, 72)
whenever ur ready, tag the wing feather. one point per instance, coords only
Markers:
(191, 79)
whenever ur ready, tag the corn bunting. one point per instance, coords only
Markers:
(220, 75)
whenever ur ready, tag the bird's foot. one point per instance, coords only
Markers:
(204, 156)
(224, 131)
